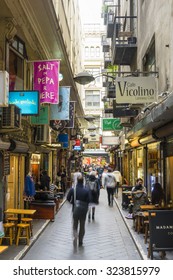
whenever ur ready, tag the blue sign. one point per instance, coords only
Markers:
(27, 101)
(63, 139)
(77, 148)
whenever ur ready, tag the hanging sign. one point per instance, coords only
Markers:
(60, 111)
(136, 90)
(46, 80)
(111, 124)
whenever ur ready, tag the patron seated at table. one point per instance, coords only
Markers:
(139, 197)
(52, 190)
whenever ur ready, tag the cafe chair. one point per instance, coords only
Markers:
(30, 222)
(9, 232)
(12, 219)
(22, 232)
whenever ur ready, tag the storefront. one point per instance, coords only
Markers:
(15, 180)
(169, 168)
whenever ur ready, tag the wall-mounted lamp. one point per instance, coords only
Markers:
(88, 118)
(85, 77)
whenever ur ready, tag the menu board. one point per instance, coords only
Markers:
(6, 164)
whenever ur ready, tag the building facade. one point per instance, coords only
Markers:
(142, 47)
(35, 30)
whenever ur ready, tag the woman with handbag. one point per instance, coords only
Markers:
(79, 197)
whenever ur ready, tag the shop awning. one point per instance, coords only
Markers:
(4, 145)
(32, 148)
(18, 147)
(42, 150)
(97, 153)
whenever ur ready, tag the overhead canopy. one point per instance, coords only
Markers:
(4, 145)
(18, 147)
(96, 153)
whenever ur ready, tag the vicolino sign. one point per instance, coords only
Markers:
(135, 90)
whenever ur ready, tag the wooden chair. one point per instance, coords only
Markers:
(9, 232)
(23, 232)
(12, 219)
(30, 222)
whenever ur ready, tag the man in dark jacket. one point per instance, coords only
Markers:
(79, 197)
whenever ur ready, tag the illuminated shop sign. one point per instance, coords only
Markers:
(27, 101)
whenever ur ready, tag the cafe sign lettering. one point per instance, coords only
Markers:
(136, 90)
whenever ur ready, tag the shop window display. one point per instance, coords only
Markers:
(153, 164)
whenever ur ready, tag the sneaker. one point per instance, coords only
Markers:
(129, 216)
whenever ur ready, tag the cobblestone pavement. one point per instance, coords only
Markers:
(106, 238)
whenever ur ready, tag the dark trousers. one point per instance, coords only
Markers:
(79, 221)
(110, 192)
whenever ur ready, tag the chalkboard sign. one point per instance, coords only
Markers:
(6, 164)
(161, 230)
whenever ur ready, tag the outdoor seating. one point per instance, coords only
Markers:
(30, 222)
(22, 233)
(9, 232)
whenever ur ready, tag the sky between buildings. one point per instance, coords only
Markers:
(90, 10)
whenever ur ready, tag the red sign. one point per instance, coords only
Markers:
(77, 142)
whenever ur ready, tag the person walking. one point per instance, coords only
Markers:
(62, 175)
(93, 187)
(79, 197)
(105, 170)
(109, 182)
(75, 175)
(118, 176)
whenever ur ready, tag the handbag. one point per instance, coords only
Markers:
(80, 207)
(1, 230)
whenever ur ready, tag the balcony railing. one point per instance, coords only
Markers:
(124, 43)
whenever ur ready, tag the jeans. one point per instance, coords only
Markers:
(79, 221)
(110, 193)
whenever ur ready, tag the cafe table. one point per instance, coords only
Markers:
(147, 207)
(3, 248)
(20, 212)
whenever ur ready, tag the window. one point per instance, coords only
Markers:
(92, 98)
(92, 51)
(19, 46)
(149, 60)
(86, 51)
(17, 53)
(97, 51)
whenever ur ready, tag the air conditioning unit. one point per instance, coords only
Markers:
(10, 117)
(43, 134)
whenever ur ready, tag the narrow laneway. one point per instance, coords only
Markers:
(105, 238)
